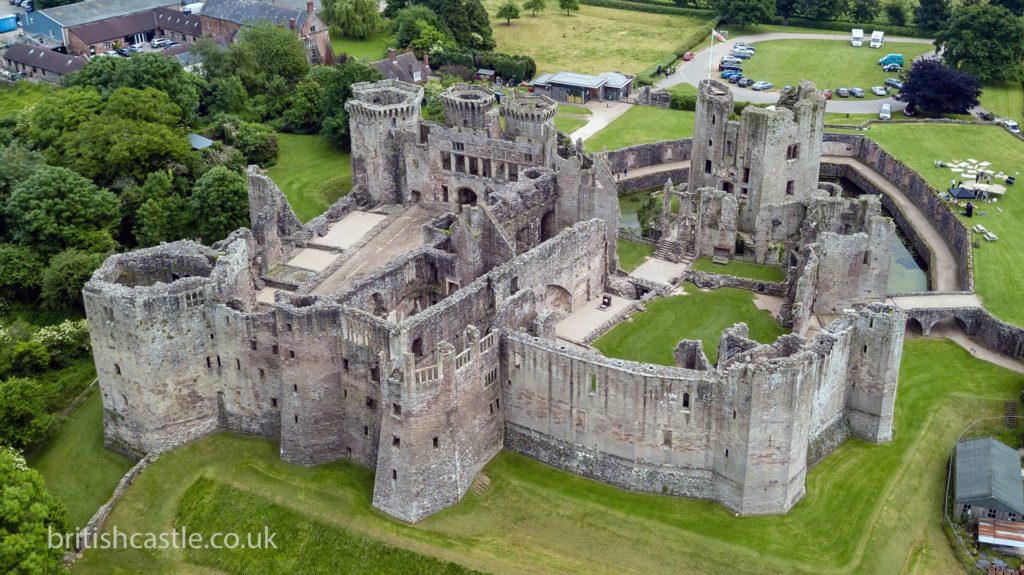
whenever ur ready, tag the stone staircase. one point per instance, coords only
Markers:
(1010, 414)
(481, 484)
(668, 250)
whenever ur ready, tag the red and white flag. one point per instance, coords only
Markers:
(717, 35)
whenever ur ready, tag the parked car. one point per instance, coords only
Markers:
(735, 78)
(843, 92)
(886, 112)
(894, 83)
(826, 93)
(742, 54)
(856, 92)
(761, 85)
(138, 47)
(726, 74)
(892, 67)
(880, 90)
(891, 59)
(731, 60)
(745, 82)
(158, 42)
(723, 66)
(1009, 125)
(744, 46)
(126, 52)
(688, 56)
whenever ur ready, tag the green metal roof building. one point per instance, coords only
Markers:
(988, 480)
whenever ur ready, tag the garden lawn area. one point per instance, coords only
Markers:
(76, 466)
(592, 40)
(741, 269)
(568, 124)
(650, 336)
(641, 125)
(14, 97)
(840, 118)
(369, 50)
(869, 509)
(311, 172)
(999, 265)
(827, 63)
(1004, 99)
(632, 254)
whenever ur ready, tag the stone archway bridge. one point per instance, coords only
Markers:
(928, 309)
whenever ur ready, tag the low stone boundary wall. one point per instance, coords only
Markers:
(643, 155)
(711, 280)
(95, 524)
(635, 237)
(653, 180)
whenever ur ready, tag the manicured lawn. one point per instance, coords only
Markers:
(640, 125)
(869, 509)
(848, 119)
(568, 124)
(998, 266)
(14, 97)
(741, 269)
(573, 110)
(632, 254)
(370, 49)
(1004, 99)
(650, 336)
(592, 40)
(827, 63)
(76, 466)
(311, 172)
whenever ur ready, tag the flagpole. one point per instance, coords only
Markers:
(711, 53)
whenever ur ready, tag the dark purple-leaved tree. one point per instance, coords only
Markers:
(933, 87)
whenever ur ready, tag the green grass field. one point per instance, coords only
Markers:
(568, 124)
(1004, 99)
(741, 269)
(373, 48)
(14, 97)
(311, 172)
(827, 63)
(998, 269)
(632, 254)
(640, 125)
(650, 336)
(869, 509)
(75, 465)
(592, 40)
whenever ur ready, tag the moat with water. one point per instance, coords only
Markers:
(907, 272)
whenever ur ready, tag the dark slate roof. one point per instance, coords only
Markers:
(178, 22)
(988, 475)
(44, 59)
(251, 12)
(403, 67)
(114, 28)
(94, 10)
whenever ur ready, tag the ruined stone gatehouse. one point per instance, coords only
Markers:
(411, 328)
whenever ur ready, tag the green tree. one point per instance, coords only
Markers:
(16, 164)
(392, 8)
(62, 111)
(865, 10)
(985, 41)
(786, 8)
(508, 12)
(569, 6)
(257, 142)
(145, 105)
(932, 15)
(21, 271)
(219, 204)
(822, 9)
(303, 112)
(29, 357)
(225, 95)
(429, 39)
(160, 220)
(55, 208)
(895, 12)
(337, 91)
(148, 70)
(276, 51)
(405, 27)
(535, 6)
(27, 515)
(744, 13)
(466, 20)
(1015, 6)
(65, 277)
(353, 18)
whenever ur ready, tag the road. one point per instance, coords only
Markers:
(694, 71)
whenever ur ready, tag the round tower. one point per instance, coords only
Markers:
(380, 115)
(529, 115)
(467, 106)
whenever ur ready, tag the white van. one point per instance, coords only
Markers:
(857, 38)
(886, 112)
(877, 39)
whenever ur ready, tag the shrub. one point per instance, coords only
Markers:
(66, 340)
(29, 357)
(257, 142)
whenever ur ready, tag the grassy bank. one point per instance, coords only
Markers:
(632, 254)
(311, 172)
(741, 269)
(369, 49)
(640, 125)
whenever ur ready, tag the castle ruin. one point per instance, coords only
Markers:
(411, 327)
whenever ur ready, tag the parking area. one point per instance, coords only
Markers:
(13, 35)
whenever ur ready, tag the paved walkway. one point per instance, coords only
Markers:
(935, 301)
(582, 322)
(659, 270)
(695, 70)
(603, 113)
(637, 172)
(947, 276)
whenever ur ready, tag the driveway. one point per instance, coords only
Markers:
(695, 70)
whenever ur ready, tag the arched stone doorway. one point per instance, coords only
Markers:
(547, 226)
(558, 299)
(467, 197)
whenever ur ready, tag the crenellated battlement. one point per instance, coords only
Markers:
(385, 100)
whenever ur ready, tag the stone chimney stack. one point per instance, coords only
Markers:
(426, 59)
(391, 53)
(309, 6)
(291, 24)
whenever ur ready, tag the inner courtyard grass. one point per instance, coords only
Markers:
(369, 49)
(311, 172)
(998, 269)
(869, 509)
(14, 97)
(592, 40)
(641, 125)
(741, 269)
(75, 465)
(827, 63)
(1004, 99)
(650, 336)
(568, 124)
(632, 254)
